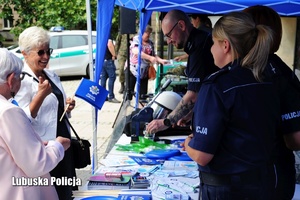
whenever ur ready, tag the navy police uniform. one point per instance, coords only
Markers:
(235, 120)
(200, 61)
(288, 87)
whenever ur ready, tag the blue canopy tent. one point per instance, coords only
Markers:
(212, 7)
(146, 7)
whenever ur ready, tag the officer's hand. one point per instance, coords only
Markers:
(178, 58)
(156, 126)
(186, 142)
(182, 57)
(182, 122)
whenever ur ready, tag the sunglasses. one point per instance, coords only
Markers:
(42, 52)
(170, 32)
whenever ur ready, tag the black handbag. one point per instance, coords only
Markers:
(81, 150)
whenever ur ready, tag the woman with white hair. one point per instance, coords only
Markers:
(25, 160)
(43, 99)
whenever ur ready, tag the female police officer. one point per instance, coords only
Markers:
(288, 87)
(236, 114)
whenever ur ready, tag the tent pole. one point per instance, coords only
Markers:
(91, 68)
(128, 93)
(161, 67)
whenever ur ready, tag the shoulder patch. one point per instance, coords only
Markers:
(215, 75)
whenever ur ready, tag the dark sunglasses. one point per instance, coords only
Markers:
(42, 52)
(170, 32)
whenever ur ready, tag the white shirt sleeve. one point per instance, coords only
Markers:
(59, 146)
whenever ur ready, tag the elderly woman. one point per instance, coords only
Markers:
(43, 99)
(23, 156)
(147, 57)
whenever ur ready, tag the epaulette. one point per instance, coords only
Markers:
(215, 75)
(272, 70)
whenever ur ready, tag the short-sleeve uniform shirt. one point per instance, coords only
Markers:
(235, 120)
(200, 61)
(288, 87)
(289, 91)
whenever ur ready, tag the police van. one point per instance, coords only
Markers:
(70, 55)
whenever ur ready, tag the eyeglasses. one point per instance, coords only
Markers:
(42, 52)
(168, 35)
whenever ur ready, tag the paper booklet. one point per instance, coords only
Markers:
(180, 165)
(118, 161)
(143, 160)
(96, 185)
(114, 174)
(140, 194)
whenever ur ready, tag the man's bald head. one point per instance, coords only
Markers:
(174, 16)
(176, 26)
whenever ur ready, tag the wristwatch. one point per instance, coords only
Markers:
(167, 122)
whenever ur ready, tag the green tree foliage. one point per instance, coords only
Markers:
(48, 13)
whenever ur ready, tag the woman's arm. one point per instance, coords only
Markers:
(199, 157)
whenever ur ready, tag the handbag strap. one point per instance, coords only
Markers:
(77, 136)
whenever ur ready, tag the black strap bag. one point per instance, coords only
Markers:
(81, 150)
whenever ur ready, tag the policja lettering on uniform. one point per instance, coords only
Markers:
(290, 115)
(194, 80)
(202, 130)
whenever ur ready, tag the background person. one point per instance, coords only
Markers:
(201, 22)
(121, 50)
(43, 99)
(236, 115)
(109, 70)
(289, 92)
(148, 57)
(179, 31)
(23, 153)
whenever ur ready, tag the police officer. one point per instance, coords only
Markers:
(288, 87)
(196, 43)
(236, 115)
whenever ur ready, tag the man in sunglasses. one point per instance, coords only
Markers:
(180, 32)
